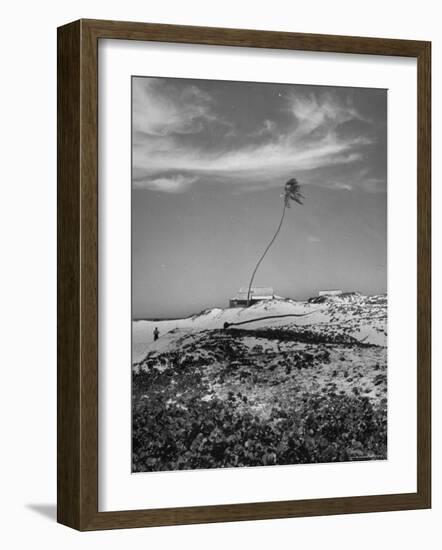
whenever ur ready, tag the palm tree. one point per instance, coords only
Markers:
(292, 191)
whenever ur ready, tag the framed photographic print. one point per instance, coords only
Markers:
(243, 275)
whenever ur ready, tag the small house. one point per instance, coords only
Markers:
(332, 292)
(257, 294)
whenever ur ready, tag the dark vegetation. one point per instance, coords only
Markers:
(215, 434)
(219, 403)
(301, 335)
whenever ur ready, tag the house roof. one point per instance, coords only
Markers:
(256, 293)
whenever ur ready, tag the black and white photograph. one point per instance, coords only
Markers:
(259, 274)
(221, 230)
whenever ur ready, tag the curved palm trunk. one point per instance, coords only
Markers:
(265, 252)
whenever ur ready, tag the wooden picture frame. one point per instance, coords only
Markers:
(78, 274)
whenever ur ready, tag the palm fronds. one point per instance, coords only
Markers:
(292, 191)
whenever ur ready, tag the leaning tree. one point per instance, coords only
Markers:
(292, 192)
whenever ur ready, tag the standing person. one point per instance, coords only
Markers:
(156, 334)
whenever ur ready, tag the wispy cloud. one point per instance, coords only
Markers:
(177, 183)
(269, 128)
(313, 239)
(359, 179)
(323, 113)
(157, 114)
(167, 156)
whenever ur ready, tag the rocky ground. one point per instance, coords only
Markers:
(307, 387)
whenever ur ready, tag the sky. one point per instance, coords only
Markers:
(209, 163)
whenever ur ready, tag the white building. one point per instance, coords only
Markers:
(331, 292)
(257, 294)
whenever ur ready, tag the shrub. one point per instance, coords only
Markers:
(217, 433)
